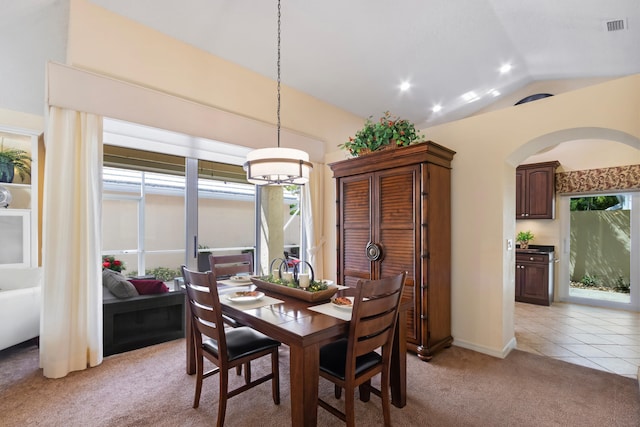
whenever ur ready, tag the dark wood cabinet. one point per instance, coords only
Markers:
(394, 215)
(534, 278)
(535, 190)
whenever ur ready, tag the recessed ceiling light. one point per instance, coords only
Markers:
(470, 96)
(436, 108)
(404, 86)
(505, 68)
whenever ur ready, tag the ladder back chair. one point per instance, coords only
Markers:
(225, 348)
(225, 266)
(353, 361)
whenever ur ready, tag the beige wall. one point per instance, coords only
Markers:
(488, 146)
(138, 54)
(554, 87)
(22, 120)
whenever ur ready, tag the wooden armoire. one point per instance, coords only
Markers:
(394, 215)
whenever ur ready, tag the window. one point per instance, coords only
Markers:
(144, 220)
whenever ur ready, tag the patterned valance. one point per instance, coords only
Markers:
(597, 180)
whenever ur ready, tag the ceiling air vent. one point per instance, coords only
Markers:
(615, 25)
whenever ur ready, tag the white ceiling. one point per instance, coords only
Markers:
(355, 53)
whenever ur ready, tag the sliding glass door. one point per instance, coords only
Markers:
(181, 198)
(143, 217)
(600, 249)
(147, 217)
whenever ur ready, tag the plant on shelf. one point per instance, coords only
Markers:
(387, 132)
(524, 237)
(12, 159)
(111, 263)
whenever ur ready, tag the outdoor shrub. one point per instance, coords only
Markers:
(589, 280)
(622, 286)
(162, 273)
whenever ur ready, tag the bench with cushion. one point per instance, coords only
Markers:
(139, 313)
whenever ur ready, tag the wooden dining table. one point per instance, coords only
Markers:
(304, 331)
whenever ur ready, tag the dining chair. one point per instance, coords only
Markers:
(226, 348)
(351, 362)
(225, 266)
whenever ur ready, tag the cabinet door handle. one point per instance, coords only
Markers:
(373, 251)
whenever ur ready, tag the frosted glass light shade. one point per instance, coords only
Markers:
(277, 166)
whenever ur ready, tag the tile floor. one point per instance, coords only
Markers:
(600, 338)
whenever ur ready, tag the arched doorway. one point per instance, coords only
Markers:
(577, 149)
(592, 149)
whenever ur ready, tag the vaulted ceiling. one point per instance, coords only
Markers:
(355, 54)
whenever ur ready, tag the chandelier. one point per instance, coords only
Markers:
(278, 165)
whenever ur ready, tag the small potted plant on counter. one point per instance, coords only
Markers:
(524, 237)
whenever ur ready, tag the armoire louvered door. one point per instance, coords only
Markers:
(393, 215)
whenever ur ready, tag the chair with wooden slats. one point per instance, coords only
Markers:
(227, 348)
(353, 361)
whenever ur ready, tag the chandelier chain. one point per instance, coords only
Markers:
(278, 166)
(278, 109)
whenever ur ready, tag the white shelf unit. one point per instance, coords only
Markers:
(19, 221)
(15, 229)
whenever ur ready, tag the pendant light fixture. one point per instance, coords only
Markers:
(278, 165)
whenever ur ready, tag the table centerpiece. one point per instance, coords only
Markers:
(288, 283)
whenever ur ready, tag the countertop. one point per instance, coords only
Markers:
(536, 249)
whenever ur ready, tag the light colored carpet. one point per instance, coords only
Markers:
(459, 387)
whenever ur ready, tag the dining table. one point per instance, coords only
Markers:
(304, 330)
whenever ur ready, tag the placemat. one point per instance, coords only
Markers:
(264, 301)
(331, 310)
(229, 282)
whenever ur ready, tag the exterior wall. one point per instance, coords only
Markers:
(609, 233)
(222, 223)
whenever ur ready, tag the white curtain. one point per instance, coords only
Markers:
(71, 321)
(313, 218)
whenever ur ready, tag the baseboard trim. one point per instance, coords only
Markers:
(500, 353)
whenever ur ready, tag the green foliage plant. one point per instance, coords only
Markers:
(622, 286)
(19, 158)
(589, 280)
(314, 286)
(524, 237)
(162, 273)
(379, 134)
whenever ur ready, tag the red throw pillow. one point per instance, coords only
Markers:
(148, 287)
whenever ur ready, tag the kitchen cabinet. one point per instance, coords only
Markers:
(534, 276)
(535, 190)
(393, 215)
